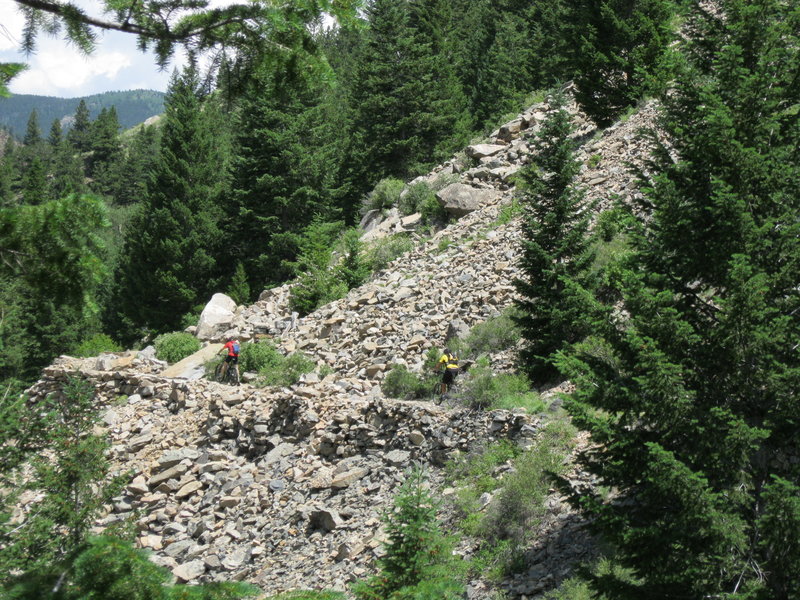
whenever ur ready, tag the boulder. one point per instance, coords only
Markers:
(482, 150)
(216, 318)
(459, 199)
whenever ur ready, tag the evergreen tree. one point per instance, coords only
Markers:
(51, 262)
(33, 133)
(555, 255)
(406, 101)
(105, 155)
(80, 133)
(34, 182)
(169, 260)
(8, 174)
(140, 156)
(620, 54)
(286, 171)
(55, 138)
(689, 386)
(67, 175)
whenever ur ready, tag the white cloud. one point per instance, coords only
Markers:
(11, 25)
(57, 68)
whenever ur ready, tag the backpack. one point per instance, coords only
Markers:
(236, 347)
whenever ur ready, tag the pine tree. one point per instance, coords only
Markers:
(130, 186)
(79, 134)
(33, 133)
(55, 138)
(555, 255)
(689, 385)
(67, 175)
(406, 100)
(169, 260)
(620, 54)
(34, 182)
(286, 170)
(105, 152)
(8, 174)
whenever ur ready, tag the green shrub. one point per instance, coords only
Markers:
(384, 195)
(176, 346)
(96, 345)
(481, 388)
(353, 268)
(476, 469)
(191, 318)
(385, 250)
(402, 383)
(494, 335)
(593, 161)
(259, 355)
(432, 211)
(286, 370)
(316, 288)
(414, 198)
(238, 288)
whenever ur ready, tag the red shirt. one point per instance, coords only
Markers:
(229, 346)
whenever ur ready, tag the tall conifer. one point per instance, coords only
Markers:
(690, 385)
(555, 252)
(169, 260)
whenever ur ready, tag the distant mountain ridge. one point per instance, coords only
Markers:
(133, 107)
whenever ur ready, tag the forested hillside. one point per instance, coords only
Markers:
(421, 170)
(133, 107)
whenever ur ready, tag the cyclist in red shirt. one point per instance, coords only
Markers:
(232, 347)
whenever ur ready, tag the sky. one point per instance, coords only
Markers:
(57, 68)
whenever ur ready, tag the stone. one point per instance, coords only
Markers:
(188, 489)
(189, 571)
(173, 473)
(139, 442)
(347, 478)
(459, 199)
(397, 457)
(325, 520)
(216, 318)
(483, 150)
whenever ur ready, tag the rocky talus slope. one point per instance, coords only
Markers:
(284, 487)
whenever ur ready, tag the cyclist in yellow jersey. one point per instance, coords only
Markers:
(448, 363)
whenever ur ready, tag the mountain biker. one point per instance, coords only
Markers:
(448, 363)
(232, 348)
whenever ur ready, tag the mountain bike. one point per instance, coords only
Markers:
(231, 375)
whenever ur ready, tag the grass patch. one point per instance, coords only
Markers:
(508, 212)
(494, 335)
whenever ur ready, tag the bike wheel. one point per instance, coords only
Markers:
(218, 372)
(233, 375)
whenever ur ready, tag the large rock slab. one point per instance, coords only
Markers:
(483, 150)
(192, 367)
(459, 199)
(216, 318)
